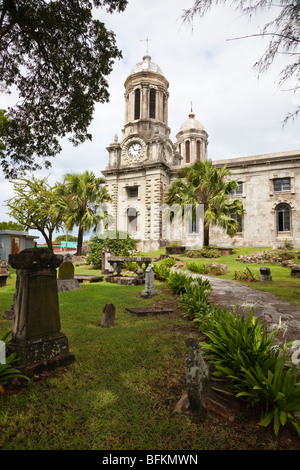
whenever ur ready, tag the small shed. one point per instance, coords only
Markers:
(14, 241)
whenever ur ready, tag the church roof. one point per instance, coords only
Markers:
(146, 66)
(191, 123)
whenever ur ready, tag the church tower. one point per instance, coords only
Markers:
(145, 162)
(192, 141)
(138, 171)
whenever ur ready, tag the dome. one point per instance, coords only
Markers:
(146, 66)
(192, 123)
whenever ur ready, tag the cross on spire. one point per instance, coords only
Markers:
(147, 43)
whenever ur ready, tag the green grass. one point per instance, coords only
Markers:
(282, 284)
(120, 392)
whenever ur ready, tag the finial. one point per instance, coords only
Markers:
(191, 115)
(147, 43)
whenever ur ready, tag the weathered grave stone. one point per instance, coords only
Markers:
(36, 335)
(4, 272)
(106, 266)
(144, 311)
(295, 271)
(108, 317)
(66, 280)
(265, 274)
(149, 290)
(197, 377)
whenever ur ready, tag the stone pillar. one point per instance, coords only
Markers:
(36, 336)
(197, 377)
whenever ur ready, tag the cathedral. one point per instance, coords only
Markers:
(143, 165)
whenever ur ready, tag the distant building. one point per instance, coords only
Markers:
(13, 241)
(143, 165)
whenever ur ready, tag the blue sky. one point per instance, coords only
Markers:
(242, 114)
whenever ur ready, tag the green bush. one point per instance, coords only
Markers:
(122, 244)
(199, 268)
(206, 252)
(242, 354)
(278, 390)
(246, 276)
(178, 282)
(161, 272)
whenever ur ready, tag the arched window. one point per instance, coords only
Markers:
(152, 103)
(137, 103)
(283, 213)
(187, 152)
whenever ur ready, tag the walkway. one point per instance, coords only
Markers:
(266, 306)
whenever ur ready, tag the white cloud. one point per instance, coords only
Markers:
(242, 115)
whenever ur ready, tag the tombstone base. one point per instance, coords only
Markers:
(45, 353)
(67, 285)
(125, 280)
(148, 293)
(265, 278)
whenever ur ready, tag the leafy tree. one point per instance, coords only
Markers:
(63, 238)
(32, 206)
(57, 56)
(11, 226)
(80, 198)
(283, 31)
(204, 184)
(120, 243)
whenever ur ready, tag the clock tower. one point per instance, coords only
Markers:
(139, 168)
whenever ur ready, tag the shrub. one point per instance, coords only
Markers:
(161, 272)
(202, 268)
(206, 252)
(119, 242)
(195, 267)
(178, 282)
(278, 390)
(168, 262)
(246, 276)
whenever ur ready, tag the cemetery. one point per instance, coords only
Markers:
(109, 347)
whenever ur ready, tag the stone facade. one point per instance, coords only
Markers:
(270, 192)
(145, 162)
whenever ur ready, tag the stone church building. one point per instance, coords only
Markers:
(143, 165)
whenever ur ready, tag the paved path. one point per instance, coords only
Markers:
(266, 306)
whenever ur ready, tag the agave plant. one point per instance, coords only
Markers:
(278, 390)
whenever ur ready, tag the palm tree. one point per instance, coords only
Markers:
(204, 184)
(81, 196)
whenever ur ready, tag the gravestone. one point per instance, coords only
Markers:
(295, 270)
(265, 274)
(108, 317)
(66, 280)
(36, 335)
(149, 290)
(106, 267)
(4, 272)
(197, 377)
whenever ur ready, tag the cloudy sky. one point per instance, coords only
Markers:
(242, 114)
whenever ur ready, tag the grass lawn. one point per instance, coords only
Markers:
(120, 392)
(282, 284)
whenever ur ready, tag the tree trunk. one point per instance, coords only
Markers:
(206, 235)
(79, 241)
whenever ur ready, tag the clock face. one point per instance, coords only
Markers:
(135, 150)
